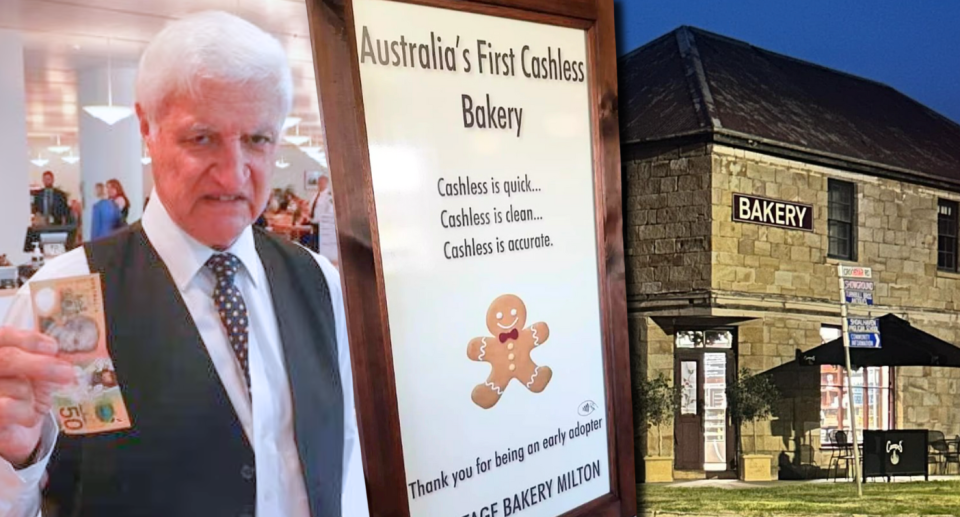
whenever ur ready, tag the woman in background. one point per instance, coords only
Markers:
(115, 192)
(110, 214)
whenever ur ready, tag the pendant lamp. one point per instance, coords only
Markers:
(59, 149)
(109, 113)
(297, 139)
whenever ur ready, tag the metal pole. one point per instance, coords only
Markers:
(853, 408)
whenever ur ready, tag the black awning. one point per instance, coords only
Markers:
(901, 345)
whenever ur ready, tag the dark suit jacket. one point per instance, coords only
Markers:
(186, 454)
(58, 206)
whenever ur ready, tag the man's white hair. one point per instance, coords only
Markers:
(211, 45)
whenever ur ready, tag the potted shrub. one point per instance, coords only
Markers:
(752, 398)
(653, 407)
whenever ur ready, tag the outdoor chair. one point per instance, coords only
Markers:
(953, 454)
(938, 450)
(843, 452)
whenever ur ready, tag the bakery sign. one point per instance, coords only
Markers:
(772, 212)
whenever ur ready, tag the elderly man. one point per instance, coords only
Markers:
(258, 420)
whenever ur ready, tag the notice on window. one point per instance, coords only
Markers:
(480, 146)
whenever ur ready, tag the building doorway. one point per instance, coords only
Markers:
(704, 364)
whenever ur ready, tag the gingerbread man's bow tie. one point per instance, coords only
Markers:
(513, 334)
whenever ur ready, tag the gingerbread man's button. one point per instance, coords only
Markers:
(507, 348)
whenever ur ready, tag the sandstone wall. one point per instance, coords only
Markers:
(667, 221)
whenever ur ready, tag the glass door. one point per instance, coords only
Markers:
(704, 364)
(715, 411)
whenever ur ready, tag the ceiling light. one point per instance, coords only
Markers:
(71, 159)
(59, 149)
(146, 160)
(290, 122)
(310, 148)
(282, 164)
(110, 114)
(297, 139)
(319, 157)
(39, 162)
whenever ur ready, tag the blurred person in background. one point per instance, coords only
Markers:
(109, 214)
(51, 203)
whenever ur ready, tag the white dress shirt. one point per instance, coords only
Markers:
(268, 424)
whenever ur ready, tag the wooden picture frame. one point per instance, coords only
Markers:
(335, 52)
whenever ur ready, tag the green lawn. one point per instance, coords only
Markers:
(922, 498)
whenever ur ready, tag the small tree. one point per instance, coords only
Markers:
(654, 406)
(751, 398)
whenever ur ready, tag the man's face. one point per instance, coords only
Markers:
(47, 179)
(322, 183)
(212, 158)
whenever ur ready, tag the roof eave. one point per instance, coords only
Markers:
(762, 145)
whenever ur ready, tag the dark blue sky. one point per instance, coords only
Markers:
(910, 45)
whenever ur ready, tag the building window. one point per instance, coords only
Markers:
(841, 215)
(873, 411)
(704, 339)
(947, 235)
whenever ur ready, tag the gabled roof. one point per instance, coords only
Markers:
(693, 82)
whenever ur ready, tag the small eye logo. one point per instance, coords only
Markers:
(586, 408)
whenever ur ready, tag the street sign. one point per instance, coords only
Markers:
(858, 340)
(857, 285)
(859, 297)
(863, 325)
(855, 272)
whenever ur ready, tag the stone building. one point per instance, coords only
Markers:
(834, 169)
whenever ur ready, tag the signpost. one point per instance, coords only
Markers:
(862, 339)
(474, 152)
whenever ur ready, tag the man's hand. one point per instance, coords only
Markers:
(29, 373)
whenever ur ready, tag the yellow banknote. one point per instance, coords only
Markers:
(70, 310)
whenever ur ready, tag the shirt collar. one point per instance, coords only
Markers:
(183, 255)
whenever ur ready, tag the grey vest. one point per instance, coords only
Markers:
(186, 454)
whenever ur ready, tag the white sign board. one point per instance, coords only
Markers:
(857, 285)
(855, 272)
(480, 146)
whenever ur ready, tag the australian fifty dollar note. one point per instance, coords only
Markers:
(70, 310)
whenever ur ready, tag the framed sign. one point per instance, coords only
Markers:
(475, 149)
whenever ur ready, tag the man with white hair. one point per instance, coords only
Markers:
(234, 412)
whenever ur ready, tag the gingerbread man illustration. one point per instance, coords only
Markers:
(508, 351)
